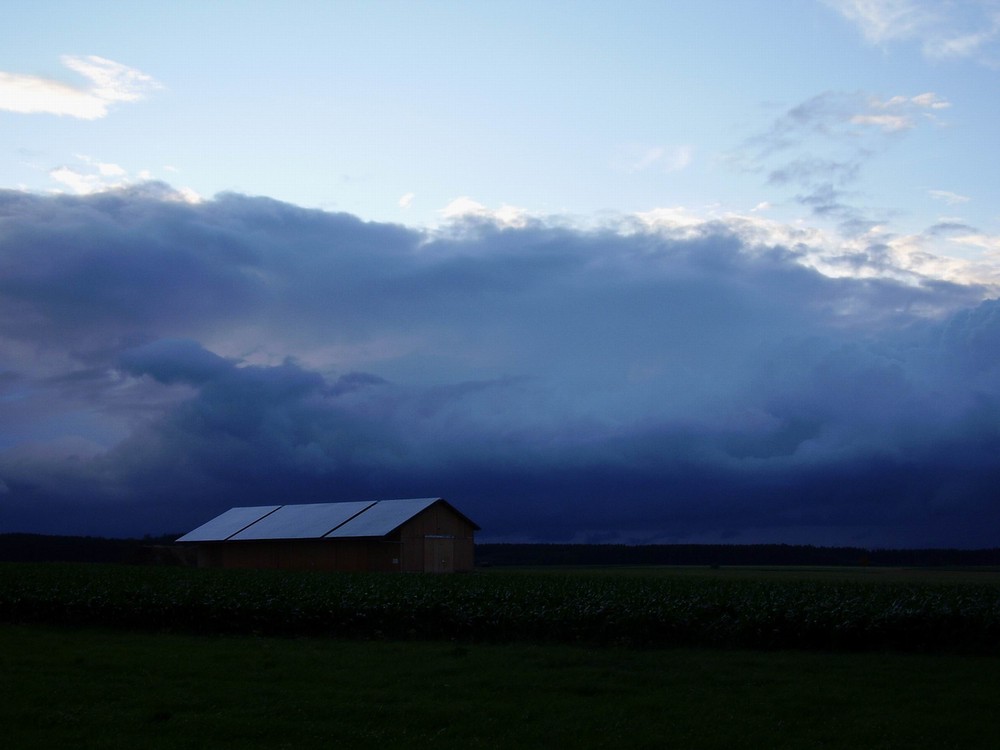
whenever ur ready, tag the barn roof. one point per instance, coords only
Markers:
(301, 521)
(231, 522)
(382, 517)
(314, 521)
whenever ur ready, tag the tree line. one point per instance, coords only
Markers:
(161, 550)
(725, 554)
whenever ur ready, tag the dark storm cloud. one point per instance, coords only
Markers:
(160, 362)
(174, 361)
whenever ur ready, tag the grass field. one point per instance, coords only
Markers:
(98, 656)
(87, 688)
(944, 611)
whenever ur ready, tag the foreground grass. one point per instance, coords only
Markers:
(115, 689)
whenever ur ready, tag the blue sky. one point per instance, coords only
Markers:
(686, 271)
(568, 108)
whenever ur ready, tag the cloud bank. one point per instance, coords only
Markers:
(161, 361)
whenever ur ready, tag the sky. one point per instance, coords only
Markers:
(686, 272)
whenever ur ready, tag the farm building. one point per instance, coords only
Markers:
(419, 534)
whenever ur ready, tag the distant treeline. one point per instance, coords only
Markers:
(162, 551)
(44, 548)
(724, 554)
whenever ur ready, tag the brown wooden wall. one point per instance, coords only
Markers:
(304, 554)
(436, 540)
(426, 536)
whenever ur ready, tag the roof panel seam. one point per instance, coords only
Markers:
(348, 520)
(240, 531)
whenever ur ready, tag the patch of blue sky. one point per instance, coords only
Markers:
(572, 109)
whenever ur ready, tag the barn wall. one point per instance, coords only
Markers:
(324, 554)
(439, 522)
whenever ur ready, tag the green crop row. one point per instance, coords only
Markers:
(644, 611)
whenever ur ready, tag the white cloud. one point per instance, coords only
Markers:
(113, 82)
(406, 200)
(828, 118)
(821, 146)
(511, 216)
(104, 169)
(110, 82)
(883, 20)
(878, 253)
(110, 170)
(188, 195)
(676, 220)
(78, 182)
(31, 95)
(903, 108)
(963, 45)
(948, 197)
(465, 208)
(930, 99)
(888, 123)
(93, 176)
(875, 254)
(942, 28)
(985, 241)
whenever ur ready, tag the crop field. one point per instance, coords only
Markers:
(817, 609)
(110, 656)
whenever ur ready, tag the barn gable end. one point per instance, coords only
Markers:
(418, 534)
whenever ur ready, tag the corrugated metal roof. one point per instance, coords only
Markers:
(302, 521)
(231, 522)
(315, 521)
(382, 517)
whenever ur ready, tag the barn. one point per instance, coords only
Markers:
(413, 535)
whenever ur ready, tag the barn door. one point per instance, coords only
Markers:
(439, 554)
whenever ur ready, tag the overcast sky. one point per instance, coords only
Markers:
(635, 272)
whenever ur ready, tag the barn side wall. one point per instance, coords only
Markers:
(304, 554)
(438, 522)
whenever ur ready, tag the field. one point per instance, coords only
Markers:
(114, 656)
(87, 688)
(830, 609)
